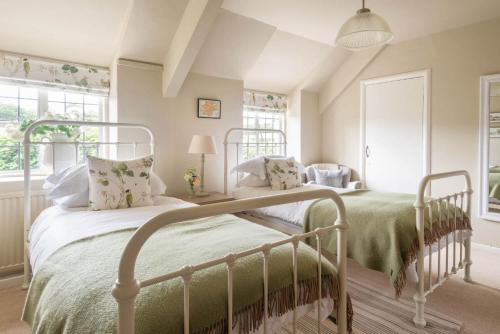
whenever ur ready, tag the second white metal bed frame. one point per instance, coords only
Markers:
(127, 287)
(422, 205)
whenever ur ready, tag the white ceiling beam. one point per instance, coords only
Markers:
(193, 29)
(345, 75)
(117, 44)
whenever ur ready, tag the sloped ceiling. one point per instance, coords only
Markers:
(285, 62)
(232, 46)
(81, 31)
(320, 20)
(265, 58)
(301, 51)
(150, 29)
(274, 45)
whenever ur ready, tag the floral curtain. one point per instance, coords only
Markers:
(265, 100)
(48, 73)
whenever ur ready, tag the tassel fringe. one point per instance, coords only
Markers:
(430, 237)
(281, 301)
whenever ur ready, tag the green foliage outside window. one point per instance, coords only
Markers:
(11, 148)
(11, 156)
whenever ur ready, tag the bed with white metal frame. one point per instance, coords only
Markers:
(127, 287)
(425, 282)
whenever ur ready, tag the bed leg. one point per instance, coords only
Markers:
(419, 296)
(419, 319)
(467, 260)
(27, 272)
(467, 241)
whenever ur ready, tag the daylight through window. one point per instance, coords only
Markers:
(263, 111)
(20, 106)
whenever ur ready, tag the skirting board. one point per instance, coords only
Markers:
(11, 282)
(487, 248)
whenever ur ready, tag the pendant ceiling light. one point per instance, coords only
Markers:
(364, 30)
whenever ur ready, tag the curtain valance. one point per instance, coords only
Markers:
(265, 100)
(49, 73)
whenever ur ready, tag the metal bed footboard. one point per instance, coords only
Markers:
(127, 287)
(443, 206)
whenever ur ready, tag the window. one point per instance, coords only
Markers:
(263, 111)
(20, 105)
(17, 105)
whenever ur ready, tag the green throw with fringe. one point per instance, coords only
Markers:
(71, 293)
(382, 232)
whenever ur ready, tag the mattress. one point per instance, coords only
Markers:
(56, 227)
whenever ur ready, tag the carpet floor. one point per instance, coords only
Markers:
(375, 312)
(476, 305)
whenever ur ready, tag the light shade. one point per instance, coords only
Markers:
(364, 30)
(202, 145)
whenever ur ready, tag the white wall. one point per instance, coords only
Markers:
(457, 58)
(310, 139)
(174, 120)
(304, 126)
(293, 131)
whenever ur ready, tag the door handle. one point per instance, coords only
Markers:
(367, 151)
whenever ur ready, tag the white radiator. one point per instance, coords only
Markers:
(11, 228)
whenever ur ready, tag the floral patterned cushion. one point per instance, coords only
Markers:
(119, 184)
(283, 173)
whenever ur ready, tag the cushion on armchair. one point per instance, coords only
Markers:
(330, 178)
(346, 172)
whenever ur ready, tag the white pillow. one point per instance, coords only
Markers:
(71, 188)
(158, 187)
(283, 173)
(252, 180)
(119, 184)
(330, 178)
(53, 179)
(256, 166)
(76, 200)
(253, 166)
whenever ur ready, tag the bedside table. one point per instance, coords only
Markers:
(213, 197)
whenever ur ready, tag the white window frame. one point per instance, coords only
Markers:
(262, 137)
(43, 108)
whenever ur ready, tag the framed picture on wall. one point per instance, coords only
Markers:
(208, 108)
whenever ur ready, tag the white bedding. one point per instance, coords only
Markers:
(56, 227)
(291, 212)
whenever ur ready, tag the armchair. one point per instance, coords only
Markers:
(347, 181)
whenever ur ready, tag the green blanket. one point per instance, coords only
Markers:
(71, 293)
(494, 183)
(382, 232)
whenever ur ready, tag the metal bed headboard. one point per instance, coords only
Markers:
(28, 143)
(237, 144)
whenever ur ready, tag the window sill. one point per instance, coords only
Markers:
(20, 178)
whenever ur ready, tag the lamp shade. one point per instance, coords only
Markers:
(364, 30)
(202, 145)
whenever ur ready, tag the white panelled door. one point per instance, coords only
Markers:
(394, 153)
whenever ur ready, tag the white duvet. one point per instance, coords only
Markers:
(56, 227)
(291, 212)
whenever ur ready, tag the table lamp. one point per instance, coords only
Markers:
(201, 144)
